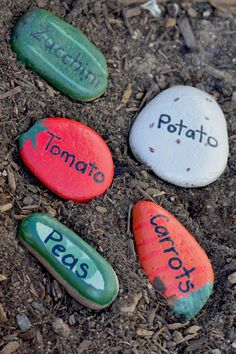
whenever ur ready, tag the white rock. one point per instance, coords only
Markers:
(182, 136)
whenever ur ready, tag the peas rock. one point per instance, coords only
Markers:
(61, 54)
(70, 158)
(173, 260)
(84, 273)
(182, 136)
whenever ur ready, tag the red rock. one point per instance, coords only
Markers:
(70, 158)
(172, 259)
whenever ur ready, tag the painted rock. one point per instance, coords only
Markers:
(85, 274)
(182, 136)
(172, 259)
(70, 158)
(61, 54)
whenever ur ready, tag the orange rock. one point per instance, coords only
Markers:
(173, 260)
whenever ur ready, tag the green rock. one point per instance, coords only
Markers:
(85, 274)
(61, 54)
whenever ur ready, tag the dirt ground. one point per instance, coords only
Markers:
(150, 55)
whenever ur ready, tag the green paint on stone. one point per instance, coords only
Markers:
(86, 275)
(61, 54)
(187, 307)
(32, 133)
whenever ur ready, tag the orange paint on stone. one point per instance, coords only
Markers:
(168, 252)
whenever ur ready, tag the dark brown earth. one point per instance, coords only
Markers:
(151, 57)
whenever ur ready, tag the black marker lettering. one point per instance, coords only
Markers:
(84, 267)
(175, 266)
(59, 237)
(58, 248)
(67, 157)
(51, 139)
(69, 261)
(189, 285)
(162, 120)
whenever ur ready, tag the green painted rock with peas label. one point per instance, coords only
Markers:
(85, 274)
(61, 54)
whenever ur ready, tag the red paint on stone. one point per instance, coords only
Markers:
(168, 252)
(70, 158)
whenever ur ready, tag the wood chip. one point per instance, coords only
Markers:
(11, 179)
(101, 209)
(127, 24)
(130, 2)
(127, 94)
(84, 346)
(224, 5)
(171, 22)
(142, 332)
(176, 325)
(131, 308)
(186, 31)
(135, 11)
(129, 218)
(2, 277)
(3, 316)
(5, 207)
(193, 329)
(10, 348)
(145, 194)
(10, 93)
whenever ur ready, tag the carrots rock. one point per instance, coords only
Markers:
(173, 260)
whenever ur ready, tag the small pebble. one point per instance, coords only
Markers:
(72, 320)
(216, 351)
(232, 278)
(60, 327)
(23, 322)
(28, 201)
(207, 13)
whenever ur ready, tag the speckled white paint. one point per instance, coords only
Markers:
(173, 156)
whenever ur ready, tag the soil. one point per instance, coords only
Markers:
(150, 56)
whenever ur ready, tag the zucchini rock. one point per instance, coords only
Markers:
(61, 54)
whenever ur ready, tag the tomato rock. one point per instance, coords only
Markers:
(70, 158)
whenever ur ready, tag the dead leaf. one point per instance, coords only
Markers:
(10, 348)
(142, 332)
(5, 207)
(2, 277)
(127, 94)
(171, 22)
(224, 5)
(131, 308)
(3, 316)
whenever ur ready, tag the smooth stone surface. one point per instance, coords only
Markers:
(172, 259)
(61, 54)
(85, 274)
(70, 158)
(182, 136)
(23, 322)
